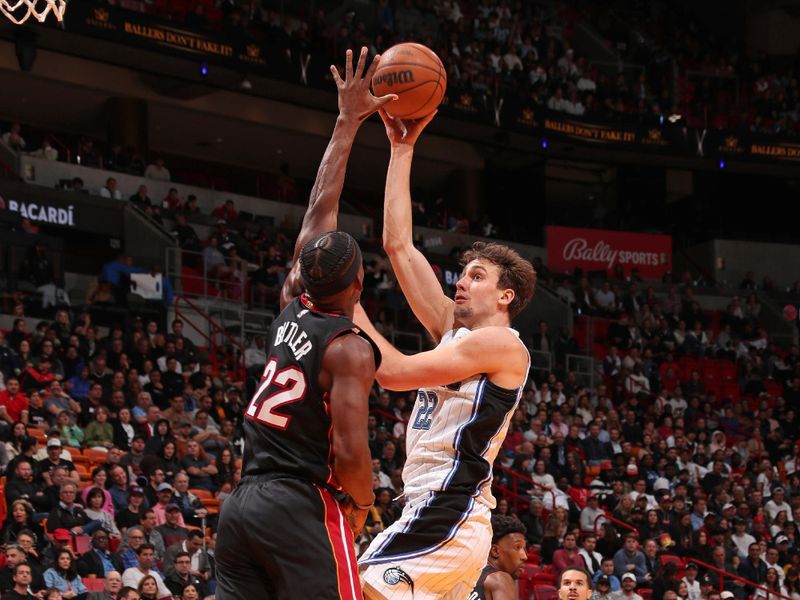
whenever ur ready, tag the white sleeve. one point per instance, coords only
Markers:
(163, 590)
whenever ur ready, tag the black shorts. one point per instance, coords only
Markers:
(286, 539)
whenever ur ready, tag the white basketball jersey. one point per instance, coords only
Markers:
(455, 432)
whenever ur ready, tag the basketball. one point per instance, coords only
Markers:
(416, 75)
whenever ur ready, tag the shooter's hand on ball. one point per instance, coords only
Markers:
(402, 132)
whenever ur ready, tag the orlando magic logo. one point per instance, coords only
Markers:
(395, 575)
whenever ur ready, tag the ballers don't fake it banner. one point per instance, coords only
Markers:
(604, 250)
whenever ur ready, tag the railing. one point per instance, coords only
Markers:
(216, 328)
(613, 519)
(515, 485)
(723, 574)
(541, 361)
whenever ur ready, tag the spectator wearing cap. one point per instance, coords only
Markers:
(592, 514)
(691, 581)
(54, 459)
(628, 591)
(708, 584)
(172, 531)
(133, 459)
(98, 561)
(726, 595)
(39, 377)
(130, 516)
(164, 493)
(607, 570)
(629, 559)
(777, 504)
(753, 568)
(740, 538)
(602, 589)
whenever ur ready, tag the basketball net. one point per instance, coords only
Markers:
(19, 11)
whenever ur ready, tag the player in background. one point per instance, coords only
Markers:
(574, 583)
(307, 471)
(468, 387)
(507, 556)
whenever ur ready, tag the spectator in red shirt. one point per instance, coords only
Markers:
(568, 555)
(226, 212)
(39, 376)
(172, 201)
(13, 403)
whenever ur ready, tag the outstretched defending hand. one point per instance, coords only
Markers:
(356, 101)
(402, 132)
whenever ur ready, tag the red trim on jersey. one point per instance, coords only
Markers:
(309, 304)
(341, 539)
(326, 404)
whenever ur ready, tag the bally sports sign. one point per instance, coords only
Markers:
(604, 250)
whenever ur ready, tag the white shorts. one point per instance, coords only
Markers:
(435, 551)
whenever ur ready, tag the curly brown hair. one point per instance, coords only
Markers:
(516, 273)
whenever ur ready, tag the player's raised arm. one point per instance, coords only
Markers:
(493, 351)
(414, 273)
(356, 103)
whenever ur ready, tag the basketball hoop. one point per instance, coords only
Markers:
(19, 11)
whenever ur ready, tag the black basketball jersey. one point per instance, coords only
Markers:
(288, 428)
(478, 593)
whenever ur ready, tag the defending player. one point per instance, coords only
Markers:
(306, 425)
(507, 556)
(470, 385)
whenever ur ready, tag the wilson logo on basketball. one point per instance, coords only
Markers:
(394, 78)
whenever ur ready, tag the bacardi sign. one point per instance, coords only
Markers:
(604, 250)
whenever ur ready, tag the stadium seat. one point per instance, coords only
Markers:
(202, 494)
(671, 558)
(773, 388)
(94, 584)
(731, 389)
(74, 452)
(645, 593)
(37, 434)
(95, 456)
(727, 371)
(82, 543)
